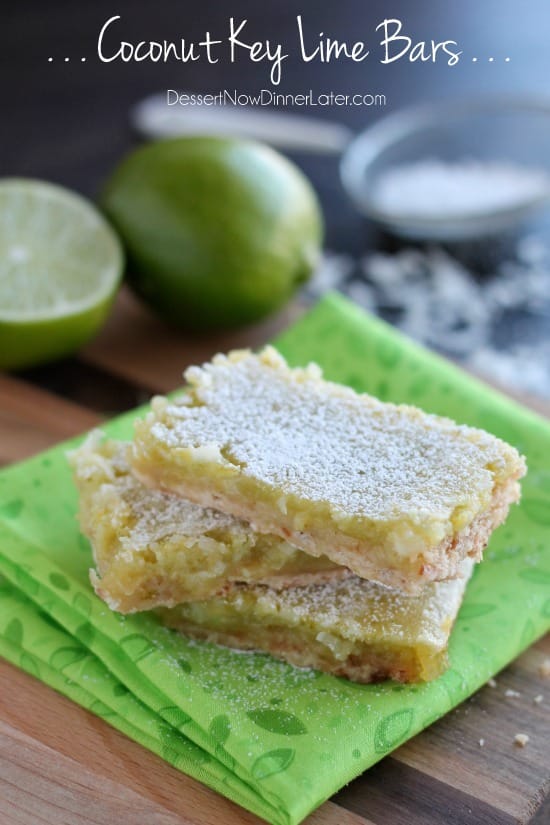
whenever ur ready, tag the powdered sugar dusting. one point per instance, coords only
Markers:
(323, 442)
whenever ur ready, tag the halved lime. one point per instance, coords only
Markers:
(60, 265)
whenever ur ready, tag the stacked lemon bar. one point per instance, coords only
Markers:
(268, 509)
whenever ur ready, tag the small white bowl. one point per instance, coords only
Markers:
(452, 148)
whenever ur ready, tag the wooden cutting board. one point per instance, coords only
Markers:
(60, 765)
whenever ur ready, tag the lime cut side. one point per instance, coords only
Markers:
(60, 265)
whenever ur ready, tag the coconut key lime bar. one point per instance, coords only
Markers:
(152, 549)
(353, 628)
(394, 494)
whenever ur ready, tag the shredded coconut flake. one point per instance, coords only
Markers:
(521, 739)
(497, 325)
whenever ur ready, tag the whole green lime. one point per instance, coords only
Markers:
(218, 232)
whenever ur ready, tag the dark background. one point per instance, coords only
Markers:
(68, 122)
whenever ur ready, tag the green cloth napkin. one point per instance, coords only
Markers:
(277, 740)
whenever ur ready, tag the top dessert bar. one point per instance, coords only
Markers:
(395, 494)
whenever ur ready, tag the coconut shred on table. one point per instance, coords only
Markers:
(432, 297)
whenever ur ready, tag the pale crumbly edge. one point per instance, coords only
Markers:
(380, 565)
(106, 517)
(434, 564)
(281, 581)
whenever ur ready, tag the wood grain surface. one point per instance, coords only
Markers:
(62, 765)
(125, 347)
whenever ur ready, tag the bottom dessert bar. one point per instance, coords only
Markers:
(352, 627)
(153, 549)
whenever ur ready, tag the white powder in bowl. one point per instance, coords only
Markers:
(441, 190)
